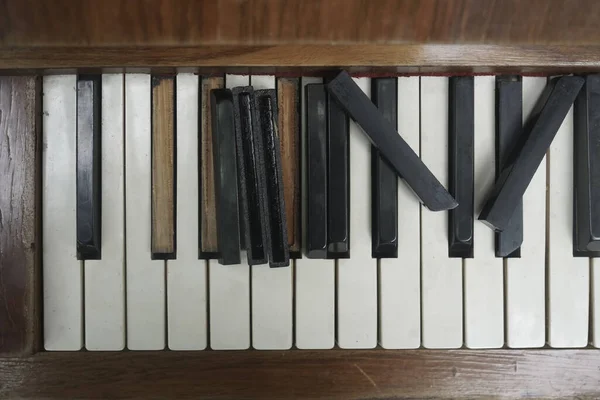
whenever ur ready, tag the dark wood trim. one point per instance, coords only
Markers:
(344, 374)
(250, 22)
(20, 146)
(301, 59)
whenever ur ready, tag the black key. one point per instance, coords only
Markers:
(88, 168)
(526, 156)
(384, 181)
(384, 136)
(509, 128)
(461, 176)
(338, 180)
(316, 171)
(278, 246)
(587, 168)
(251, 176)
(226, 185)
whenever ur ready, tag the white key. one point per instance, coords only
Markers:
(357, 276)
(145, 277)
(271, 287)
(229, 289)
(105, 278)
(63, 291)
(441, 276)
(400, 278)
(484, 273)
(186, 275)
(315, 279)
(525, 276)
(595, 301)
(568, 276)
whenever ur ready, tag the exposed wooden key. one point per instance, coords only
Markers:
(163, 170)
(288, 98)
(208, 220)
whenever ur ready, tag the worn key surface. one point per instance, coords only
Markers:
(587, 168)
(288, 102)
(526, 156)
(384, 136)
(251, 177)
(509, 127)
(278, 248)
(461, 172)
(384, 181)
(89, 187)
(208, 220)
(163, 167)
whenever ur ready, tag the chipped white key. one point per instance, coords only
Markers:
(525, 276)
(314, 279)
(595, 301)
(441, 276)
(186, 275)
(568, 276)
(145, 277)
(357, 276)
(229, 288)
(400, 278)
(105, 278)
(63, 300)
(484, 273)
(271, 287)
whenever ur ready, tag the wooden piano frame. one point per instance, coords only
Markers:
(284, 37)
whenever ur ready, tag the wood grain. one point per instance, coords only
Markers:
(343, 374)
(25, 23)
(208, 213)
(163, 167)
(288, 93)
(20, 149)
(305, 60)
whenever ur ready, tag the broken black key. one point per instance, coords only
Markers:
(88, 168)
(278, 246)
(384, 136)
(526, 156)
(251, 177)
(226, 183)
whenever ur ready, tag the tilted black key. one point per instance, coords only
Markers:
(509, 128)
(384, 181)
(278, 246)
(461, 176)
(384, 136)
(88, 168)
(226, 183)
(526, 156)
(338, 181)
(316, 171)
(587, 168)
(251, 177)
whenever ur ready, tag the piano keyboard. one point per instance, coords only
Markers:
(148, 152)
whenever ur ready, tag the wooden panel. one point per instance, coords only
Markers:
(305, 374)
(163, 167)
(312, 59)
(288, 97)
(189, 22)
(208, 213)
(20, 308)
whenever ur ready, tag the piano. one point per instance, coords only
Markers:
(105, 116)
